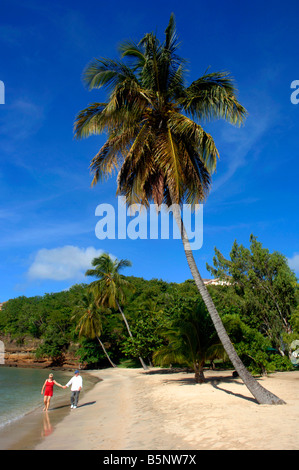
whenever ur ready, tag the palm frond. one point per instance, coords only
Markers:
(170, 35)
(202, 142)
(155, 143)
(107, 73)
(134, 52)
(103, 163)
(88, 120)
(212, 96)
(109, 286)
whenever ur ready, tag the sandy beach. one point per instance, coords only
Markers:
(131, 409)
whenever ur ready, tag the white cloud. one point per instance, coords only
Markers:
(294, 262)
(63, 263)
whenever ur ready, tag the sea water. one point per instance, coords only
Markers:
(20, 391)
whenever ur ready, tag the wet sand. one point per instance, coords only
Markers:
(131, 409)
(26, 432)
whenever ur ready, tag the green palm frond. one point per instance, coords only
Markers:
(110, 286)
(212, 96)
(88, 317)
(176, 84)
(88, 120)
(155, 142)
(191, 339)
(170, 354)
(109, 158)
(171, 43)
(189, 131)
(106, 73)
(134, 52)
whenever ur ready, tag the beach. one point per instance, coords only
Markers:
(132, 409)
(22, 422)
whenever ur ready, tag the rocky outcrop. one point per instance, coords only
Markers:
(22, 354)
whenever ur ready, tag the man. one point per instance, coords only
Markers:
(76, 387)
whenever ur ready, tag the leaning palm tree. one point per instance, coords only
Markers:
(191, 341)
(89, 323)
(110, 287)
(156, 142)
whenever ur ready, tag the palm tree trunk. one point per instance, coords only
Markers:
(199, 373)
(262, 395)
(130, 333)
(104, 349)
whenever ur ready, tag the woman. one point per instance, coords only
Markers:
(48, 386)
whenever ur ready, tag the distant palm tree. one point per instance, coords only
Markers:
(88, 316)
(110, 287)
(160, 152)
(191, 341)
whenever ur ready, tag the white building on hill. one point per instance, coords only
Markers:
(216, 282)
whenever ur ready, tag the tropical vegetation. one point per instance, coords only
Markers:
(110, 287)
(165, 319)
(88, 315)
(156, 143)
(161, 153)
(191, 340)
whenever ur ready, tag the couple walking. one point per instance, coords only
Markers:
(76, 383)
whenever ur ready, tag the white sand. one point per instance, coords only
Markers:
(131, 409)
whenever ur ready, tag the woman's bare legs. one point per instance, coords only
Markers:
(46, 403)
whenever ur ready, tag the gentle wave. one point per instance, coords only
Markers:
(20, 391)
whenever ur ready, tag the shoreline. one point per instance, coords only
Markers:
(133, 409)
(25, 432)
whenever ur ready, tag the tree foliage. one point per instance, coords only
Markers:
(154, 307)
(191, 340)
(262, 287)
(152, 121)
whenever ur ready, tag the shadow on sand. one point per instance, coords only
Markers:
(87, 404)
(214, 381)
(67, 406)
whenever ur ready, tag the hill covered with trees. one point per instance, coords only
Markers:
(258, 305)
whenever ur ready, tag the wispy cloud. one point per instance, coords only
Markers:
(43, 233)
(22, 118)
(62, 263)
(294, 262)
(240, 146)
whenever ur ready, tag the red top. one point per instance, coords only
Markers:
(49, 388)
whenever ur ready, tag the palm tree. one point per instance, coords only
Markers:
(155, 142)
(88, 315)
(110, 288)
(191, 340)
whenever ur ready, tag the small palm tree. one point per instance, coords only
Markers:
(88, 316)
(110, 287)
(191, 341)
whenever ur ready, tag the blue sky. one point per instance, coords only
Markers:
(47, 212)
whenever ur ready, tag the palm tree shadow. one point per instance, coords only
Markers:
(186, 381)
(229, 392)
(214, 381)
(166, 371)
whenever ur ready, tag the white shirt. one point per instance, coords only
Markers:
(76, 382)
